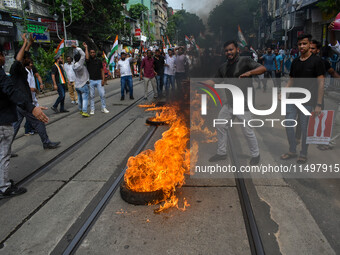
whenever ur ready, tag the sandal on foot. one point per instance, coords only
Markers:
(301, 160)
(324, 147)
(288, 155)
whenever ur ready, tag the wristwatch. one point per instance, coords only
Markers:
(319, 105)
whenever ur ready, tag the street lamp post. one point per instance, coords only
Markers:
(286, 22)
(55, 17)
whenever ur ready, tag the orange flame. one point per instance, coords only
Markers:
(164, 167)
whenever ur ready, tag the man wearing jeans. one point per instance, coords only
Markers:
(311, 68)
(97, 78)
(159, 69)
(148, 70)
(269, 62)
(169, 71)
(81, 80)
(125, 75)
(59, 80)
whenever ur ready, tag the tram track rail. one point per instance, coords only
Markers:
(80, 229)
(254, 238)
(50, 164)
(76, 111)
(75, 146)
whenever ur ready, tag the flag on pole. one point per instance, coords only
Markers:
(241, 37)
(60, 48)
(104, 56)
(194, 43)
(164, 47)
(113, 50)
(187, 40)
(169, 42)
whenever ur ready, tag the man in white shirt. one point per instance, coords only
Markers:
(169, 71)
(333, 42)
(31, 82)
(82, 78)
(68, 67)
(124, 68)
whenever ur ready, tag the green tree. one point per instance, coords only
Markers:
(136, 10)
(329, 6)
(184, 23)
(99, 20)
(225, 17)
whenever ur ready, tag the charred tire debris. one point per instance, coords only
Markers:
(140, 198)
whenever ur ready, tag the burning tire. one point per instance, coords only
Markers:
(140, 198)
(151, 122)
(160, 104)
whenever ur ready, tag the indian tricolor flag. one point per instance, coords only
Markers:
(60, 48)
(169, 42)
(187, 40)
(241, 37)
(113, 50)
(104, 56)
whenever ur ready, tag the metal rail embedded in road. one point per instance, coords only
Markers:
(254, 237)
(72, 246)
(76, 145)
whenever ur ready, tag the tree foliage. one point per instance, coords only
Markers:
(136, 10)
(184, 23)
(329, 6)
(225, 17)
(98, 20)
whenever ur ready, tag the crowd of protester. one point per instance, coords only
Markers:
(85, 71)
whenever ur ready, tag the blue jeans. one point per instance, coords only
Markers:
(97, 84)
(61, 99)
(292, 112)
(83, 97)
(159, 80)
(123, 81)
(169, 79)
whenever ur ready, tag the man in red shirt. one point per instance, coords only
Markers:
(147, 68)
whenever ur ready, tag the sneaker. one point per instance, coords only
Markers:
(104, 110)
(51, 145)
(254, 161)
(64, 111)
(54, 109)
(31, 133)
(122, 98)
(85, 114)
(81, 112)
(132, 98)
(73, 102)
(12, 191)
(91, 112)
(217, 157)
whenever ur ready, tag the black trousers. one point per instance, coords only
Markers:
(38, 126)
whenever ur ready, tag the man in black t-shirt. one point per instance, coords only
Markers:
(237, 67)
(312, 69)
(97, 78)
(159, 69)
(10, 98)
(315, 48)
(19, 79)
